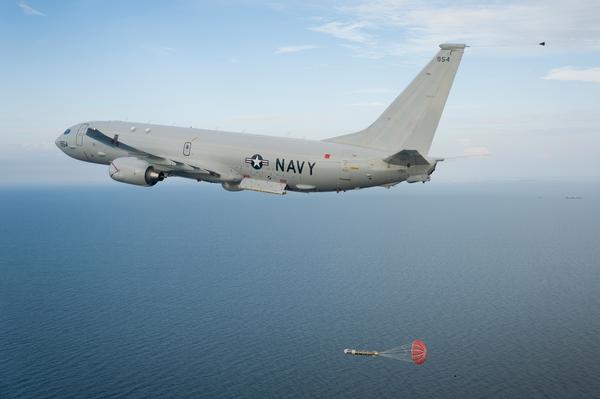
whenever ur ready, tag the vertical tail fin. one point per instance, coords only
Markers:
(409, 123)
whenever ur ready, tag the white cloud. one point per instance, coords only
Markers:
(279, 7)
(295, 49)
(352, 31)
(372, 91)
(573, 73)
(398, 27)
(27, 9)
(368, 104)
(34, 146)
(476, 151)
(369, 52)
(160, 50)
(255, 118)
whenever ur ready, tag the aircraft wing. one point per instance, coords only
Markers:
(166, 163)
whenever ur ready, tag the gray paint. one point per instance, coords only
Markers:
(265, 163)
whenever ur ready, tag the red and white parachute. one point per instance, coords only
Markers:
(418, 352)
(415, 352)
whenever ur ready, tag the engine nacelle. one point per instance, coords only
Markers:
(134, 171)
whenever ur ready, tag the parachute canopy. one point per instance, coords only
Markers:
(418, 352)
(415, 352)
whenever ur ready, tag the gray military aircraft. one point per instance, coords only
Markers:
(393, 149)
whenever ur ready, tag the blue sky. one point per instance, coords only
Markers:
(311, 69)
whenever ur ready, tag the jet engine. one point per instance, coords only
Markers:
(134, 171)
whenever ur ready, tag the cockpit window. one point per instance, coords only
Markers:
(67, 131)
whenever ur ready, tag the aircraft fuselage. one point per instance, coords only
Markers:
(392, 149)
(303, 165)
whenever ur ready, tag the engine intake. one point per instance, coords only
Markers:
(136, 171)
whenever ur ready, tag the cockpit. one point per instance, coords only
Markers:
(72, 139)
(83, 141)
(62, 141)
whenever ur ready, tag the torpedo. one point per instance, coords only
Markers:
(359, 352)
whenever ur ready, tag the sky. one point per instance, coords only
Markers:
(304, 69)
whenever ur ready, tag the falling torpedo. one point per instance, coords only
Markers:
(415, 352)
(360, 353)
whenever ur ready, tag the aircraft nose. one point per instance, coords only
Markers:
(61, 142)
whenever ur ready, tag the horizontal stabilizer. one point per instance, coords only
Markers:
(263, 186)
(407, 158)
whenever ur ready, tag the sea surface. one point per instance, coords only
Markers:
(185, 290)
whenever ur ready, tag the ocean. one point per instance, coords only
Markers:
(185, 290)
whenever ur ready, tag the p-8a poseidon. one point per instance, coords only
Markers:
(393, 149)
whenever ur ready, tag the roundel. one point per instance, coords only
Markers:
(257, 161)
